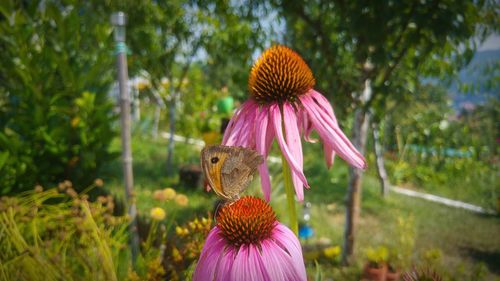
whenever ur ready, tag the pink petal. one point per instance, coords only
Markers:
(225, 264)
(239, 133)
(269, 130)
(288, 239)
(210, 256)
(248, 265)
(231, 125)
(246, 137)
(281, 258)
(324, 104)
(330, 133)
(307, 127)
(293, 141)
(295, 167)
(277, 258)
(329, 154)
(264, 136)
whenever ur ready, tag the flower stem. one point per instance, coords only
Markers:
(290, 196)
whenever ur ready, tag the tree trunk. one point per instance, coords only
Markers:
(379, 156)
(136, 103)
(360, 133)
(156, 122)
(353, 204)
(170, 153)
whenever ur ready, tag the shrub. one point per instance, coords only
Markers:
(55, 119)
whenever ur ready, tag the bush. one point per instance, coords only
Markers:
(55, 119)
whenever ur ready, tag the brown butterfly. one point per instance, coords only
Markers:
(229, 169)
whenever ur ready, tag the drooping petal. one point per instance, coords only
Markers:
(246, 138)
(330, 133)
(264, 137)
(293, 142)
(241, 129)
(306, 126)
(269, 131)
(329, 154)
(231, 125)
(294, 166)
(325, 105)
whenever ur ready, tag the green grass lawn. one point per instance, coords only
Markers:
(462, 244)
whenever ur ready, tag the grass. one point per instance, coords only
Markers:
(461, 243)
(465, 179)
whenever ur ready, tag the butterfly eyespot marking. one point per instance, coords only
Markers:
(214, 160)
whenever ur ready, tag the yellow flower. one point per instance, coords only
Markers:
(332, 252)
(159, 195)
(157, 213)
(179, 231)
(68, 183)
(71, 192)
(99, 182)
(181, 200)
(176, 255)
(141, 85)
(169, 193)
(61, 186)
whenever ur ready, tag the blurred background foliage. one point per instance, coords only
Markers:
(56, 119)
(58, 68)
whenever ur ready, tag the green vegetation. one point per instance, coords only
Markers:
(55, 117)
(70, 240)
(455, 242)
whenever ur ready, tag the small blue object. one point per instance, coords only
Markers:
(121, 47)
(305, 232)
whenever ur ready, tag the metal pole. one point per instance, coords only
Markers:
(119, 19)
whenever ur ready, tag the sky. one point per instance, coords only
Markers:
(492, 43)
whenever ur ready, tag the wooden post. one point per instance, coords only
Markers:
(119, 21)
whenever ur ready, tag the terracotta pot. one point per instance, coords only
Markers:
(374, 273)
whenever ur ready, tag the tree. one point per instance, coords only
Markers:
(368, 53)
(167, 37)
(56, 69)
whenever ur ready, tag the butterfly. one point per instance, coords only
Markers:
(229, 169)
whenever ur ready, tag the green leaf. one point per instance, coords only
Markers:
(4, 155)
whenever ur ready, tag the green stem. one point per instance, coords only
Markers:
(290, 196)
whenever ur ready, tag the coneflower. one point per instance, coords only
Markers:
(284, 106)
(248, 243)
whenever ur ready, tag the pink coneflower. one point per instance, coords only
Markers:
(248, 243)
(284, 105)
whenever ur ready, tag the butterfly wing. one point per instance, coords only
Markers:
(212, 159)
(238, 170)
